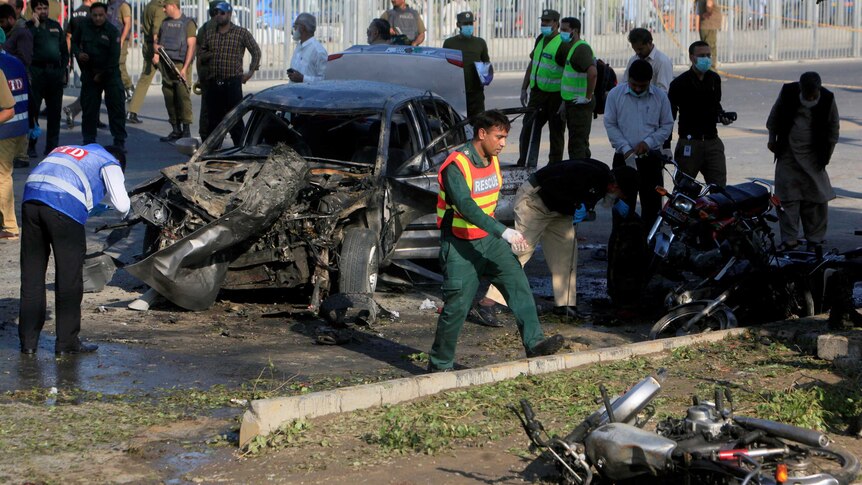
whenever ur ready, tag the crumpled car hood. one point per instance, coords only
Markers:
(190, 272)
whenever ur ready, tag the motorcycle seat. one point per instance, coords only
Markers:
(749, 198)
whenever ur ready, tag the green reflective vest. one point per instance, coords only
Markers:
(546, 74)
(574, 83)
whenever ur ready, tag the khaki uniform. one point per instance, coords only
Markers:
(178, 100)
(154, 14)
(8, 150)
(710, 24)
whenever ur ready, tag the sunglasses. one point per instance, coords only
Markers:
(219, 12)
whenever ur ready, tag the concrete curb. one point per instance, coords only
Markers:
(266, 415)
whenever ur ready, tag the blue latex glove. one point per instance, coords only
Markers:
(621, 209)
(35, 133)
(99, 209)
(580, 214)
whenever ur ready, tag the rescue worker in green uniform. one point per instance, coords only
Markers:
(96, 46)
(154, 15)
(473, 49)
(177, 35)
(474, 245)
(543, 79)
(577, 88)
(47, 72)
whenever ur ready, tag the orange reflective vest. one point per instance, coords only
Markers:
(484, 184)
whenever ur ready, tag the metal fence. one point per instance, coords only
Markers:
(752, 30)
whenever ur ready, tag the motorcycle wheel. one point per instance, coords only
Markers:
(804, 461)
(671, 324)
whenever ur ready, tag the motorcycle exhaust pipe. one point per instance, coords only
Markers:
(625, 408)
(800, 435)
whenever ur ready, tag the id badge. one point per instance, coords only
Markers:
(686, 151)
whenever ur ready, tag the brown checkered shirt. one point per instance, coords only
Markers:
(227, 50)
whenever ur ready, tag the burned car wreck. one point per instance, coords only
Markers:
(331, 182)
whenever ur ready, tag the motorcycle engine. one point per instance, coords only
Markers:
(620, 451)
(703, 419)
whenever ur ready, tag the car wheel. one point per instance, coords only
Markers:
(359, 262)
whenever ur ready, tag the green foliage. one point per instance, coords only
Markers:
(422, 433)
(288, 434)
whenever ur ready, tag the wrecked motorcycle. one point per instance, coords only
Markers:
(702, 226)
(710, 445)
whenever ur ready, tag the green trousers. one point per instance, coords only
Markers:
(147, 74)
(124, 71)
(178, 99)
(464, 263)
(92, 87)
(579, 121)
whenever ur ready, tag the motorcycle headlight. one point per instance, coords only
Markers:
(683, 204)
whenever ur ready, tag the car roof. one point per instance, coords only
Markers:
(337, 95)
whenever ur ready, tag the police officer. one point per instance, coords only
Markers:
(58, 195)
(96, 46)
(154, 14)
(177, 35)
(543, 79)
(577, 88)
(13, 132)
(474, 245)
(406, 25)
(47, 71)
(120, 16)
(473, 49)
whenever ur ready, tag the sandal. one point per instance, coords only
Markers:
(787, 246)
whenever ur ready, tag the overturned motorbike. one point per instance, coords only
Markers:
(722, 235)
(710, 445)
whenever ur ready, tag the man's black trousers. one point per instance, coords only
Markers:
(649, 176)
(44, 229)
(220, 96)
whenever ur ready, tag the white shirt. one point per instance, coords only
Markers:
(630, 120)
(115, 188)
(662, 68)
(309, 58)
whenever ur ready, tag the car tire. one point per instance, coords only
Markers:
(359, 261)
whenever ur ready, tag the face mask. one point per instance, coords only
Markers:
(637, 95)
(467, 31)
(546, 30)
(809, 104)
(703, 64)
(296, 35)
(565, 36)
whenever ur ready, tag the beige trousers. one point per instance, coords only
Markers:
(557, 235)
(8, 149)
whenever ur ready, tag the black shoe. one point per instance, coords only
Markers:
(20, 163)
(567, 311)
(28, 351)
(484, 315)
(81, 348)
(129, 92)
(70, 118)
(549, 346)
(133, 118)
(186, 132)
(175, 134)
(434, 370)
(101, 125)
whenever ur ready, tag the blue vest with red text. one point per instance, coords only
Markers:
(69, 179)
(16, 75)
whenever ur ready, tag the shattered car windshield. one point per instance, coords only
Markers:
(325, 137)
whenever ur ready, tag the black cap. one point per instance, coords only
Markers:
(549, 14)
(465, 18)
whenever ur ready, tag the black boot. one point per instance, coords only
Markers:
(133, 118)
(31, 148)
(187, 132)
(175, 134)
